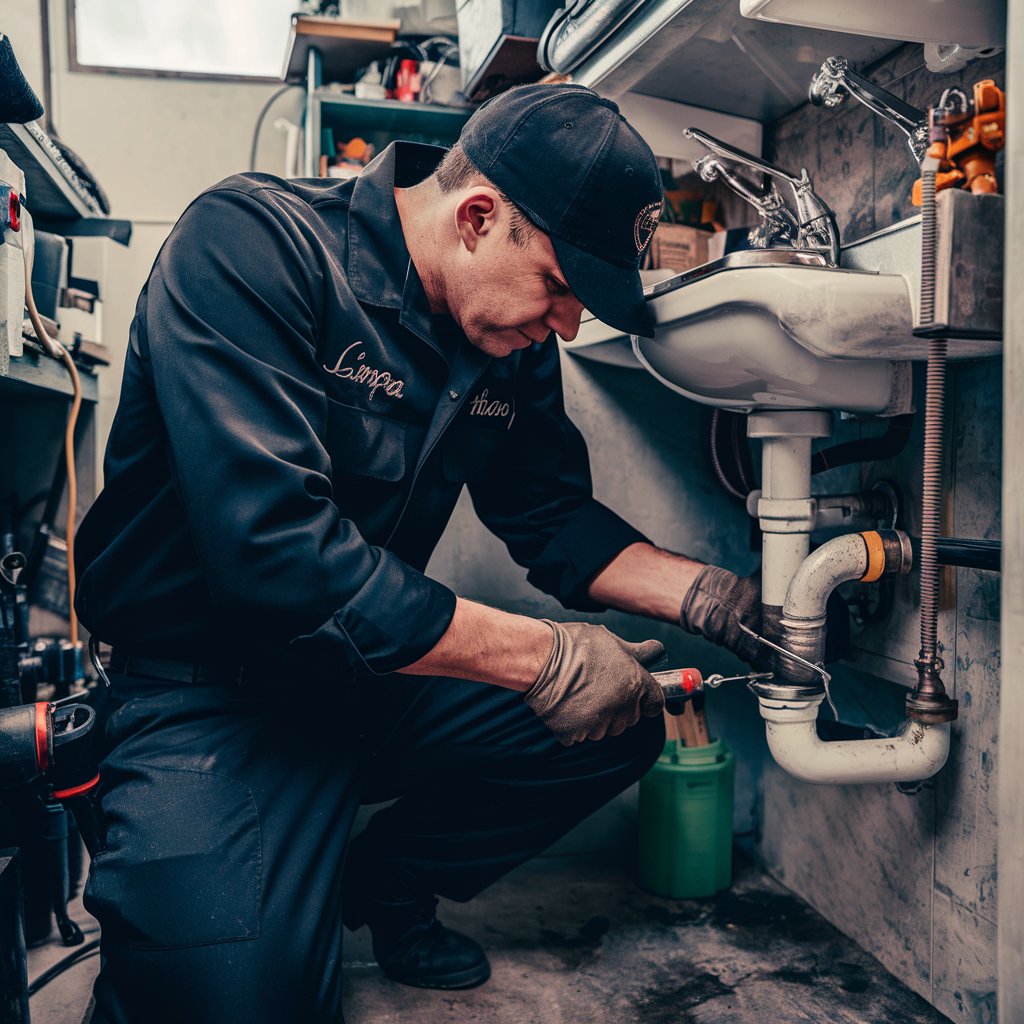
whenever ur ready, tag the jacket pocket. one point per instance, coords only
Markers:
(364, 444)
(183, 864)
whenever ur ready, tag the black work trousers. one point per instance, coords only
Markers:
(227, 812)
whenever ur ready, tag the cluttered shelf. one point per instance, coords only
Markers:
(33, 375)
(57, 195)
(354, 129)
(367, 87)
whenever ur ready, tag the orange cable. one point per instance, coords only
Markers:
(58, 351)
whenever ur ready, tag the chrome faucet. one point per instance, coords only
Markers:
(835, 81)
(809, 225)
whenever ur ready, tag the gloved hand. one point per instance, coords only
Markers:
(717, 602)
(594, 683)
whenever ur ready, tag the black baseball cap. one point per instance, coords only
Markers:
(583, 175)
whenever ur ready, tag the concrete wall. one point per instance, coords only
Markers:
(1011, 707)
(911, 877)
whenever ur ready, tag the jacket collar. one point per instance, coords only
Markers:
(380, 270)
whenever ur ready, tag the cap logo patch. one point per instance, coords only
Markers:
(645, 223)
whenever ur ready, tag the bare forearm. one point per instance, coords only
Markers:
(645, 580)
(490, 646)
(493, 646)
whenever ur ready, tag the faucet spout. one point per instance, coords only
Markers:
(835, 81)
(809, 224)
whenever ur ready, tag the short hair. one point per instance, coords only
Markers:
(456, 170)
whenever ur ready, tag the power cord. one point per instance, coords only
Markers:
(58, 351)
(91, 948)
(259, 121)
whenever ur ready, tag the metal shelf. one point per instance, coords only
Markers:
(391, 116)
(380, 121)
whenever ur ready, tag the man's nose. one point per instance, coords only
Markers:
(564, 318)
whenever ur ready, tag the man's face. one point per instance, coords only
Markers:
(509, 296)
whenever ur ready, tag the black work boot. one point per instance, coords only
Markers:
(413, 947)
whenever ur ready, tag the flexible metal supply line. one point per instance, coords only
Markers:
(935, 389)
(935, 393)
(929, 702)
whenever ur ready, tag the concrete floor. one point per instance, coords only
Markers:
(574, 941)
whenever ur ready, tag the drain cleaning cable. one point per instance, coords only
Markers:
(58, 351)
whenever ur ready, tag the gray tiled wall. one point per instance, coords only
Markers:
(861, 164)
(911, 877)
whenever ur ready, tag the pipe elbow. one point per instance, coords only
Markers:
(854, 556)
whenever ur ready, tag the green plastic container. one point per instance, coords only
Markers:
(686, 821)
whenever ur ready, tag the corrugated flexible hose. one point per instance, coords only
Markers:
(935, 391)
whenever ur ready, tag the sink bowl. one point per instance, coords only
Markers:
(776, 329)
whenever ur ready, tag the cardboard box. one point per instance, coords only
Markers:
(679, 247)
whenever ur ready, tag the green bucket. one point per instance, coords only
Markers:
(686, 821)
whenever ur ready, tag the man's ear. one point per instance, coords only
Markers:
(477, 215)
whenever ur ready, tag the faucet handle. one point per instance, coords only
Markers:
(808, 224)
(778, 226)
(827, 84)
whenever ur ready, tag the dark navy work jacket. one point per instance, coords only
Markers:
(294, 430)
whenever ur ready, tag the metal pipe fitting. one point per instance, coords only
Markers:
(856, 556)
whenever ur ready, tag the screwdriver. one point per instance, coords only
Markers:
(682, 684)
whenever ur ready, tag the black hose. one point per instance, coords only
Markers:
(259, 121)
(741, 452)
(82, 953)
(967, 553)
(868, 449)
(716, 461)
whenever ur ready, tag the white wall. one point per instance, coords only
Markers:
(153, 144)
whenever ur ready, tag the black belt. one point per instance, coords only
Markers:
(192, 672)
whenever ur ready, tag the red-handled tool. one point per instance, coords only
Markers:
(682, 684)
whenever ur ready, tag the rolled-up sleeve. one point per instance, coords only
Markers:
(537, 495)
(229, 334)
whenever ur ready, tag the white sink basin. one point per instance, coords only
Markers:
(770, 329)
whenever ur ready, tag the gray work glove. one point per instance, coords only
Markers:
(594, 683)
(717, 602)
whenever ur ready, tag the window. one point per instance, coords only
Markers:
(192, 38)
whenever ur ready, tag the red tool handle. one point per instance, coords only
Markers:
(679, 685)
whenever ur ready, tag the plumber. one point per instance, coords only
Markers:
(316, 368)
